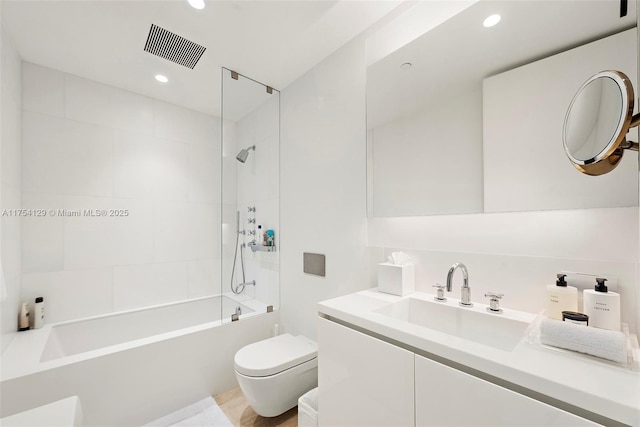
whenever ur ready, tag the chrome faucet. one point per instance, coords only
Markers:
(465, 291)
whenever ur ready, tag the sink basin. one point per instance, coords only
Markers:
(500, 331)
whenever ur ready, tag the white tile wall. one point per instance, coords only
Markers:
(91, 102)
(42, 237)
(43, 90)
(204, 180)
(136, 166)
(204, 278)
(88, 146)
(229, 163)
(87, 159)
(42, 151)
(180, 124)
(10, 194)
(99, 241)
(149, 284)
(71, 294)
(11, 148)
(185, 232)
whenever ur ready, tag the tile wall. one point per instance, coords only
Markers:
(89, 147)
(10, 195)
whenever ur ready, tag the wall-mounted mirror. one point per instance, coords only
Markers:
(597, 122)
(469, 119)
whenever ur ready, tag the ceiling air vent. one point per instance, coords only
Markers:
(173, 47)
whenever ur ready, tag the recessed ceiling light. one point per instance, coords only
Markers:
(491, 20)
(197, 4)
(406, 66)
(161, 78)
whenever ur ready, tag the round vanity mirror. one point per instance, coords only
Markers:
(597, 123)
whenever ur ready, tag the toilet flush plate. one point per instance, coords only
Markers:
(314, 264)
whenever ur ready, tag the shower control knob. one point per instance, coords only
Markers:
(251, 208)
(251, 220)
(252, 232)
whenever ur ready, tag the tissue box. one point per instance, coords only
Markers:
(396, 279)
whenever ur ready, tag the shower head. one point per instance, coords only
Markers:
(244, 153)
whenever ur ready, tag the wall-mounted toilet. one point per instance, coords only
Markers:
(275, 372)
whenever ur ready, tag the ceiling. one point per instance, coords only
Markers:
(457, 55)
(273, 42)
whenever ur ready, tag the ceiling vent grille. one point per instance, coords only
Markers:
(173, 47)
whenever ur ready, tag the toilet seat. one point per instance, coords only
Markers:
(274, 355)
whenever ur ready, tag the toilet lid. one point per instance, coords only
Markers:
(274, 355)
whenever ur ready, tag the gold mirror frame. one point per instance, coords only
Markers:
(607, 159)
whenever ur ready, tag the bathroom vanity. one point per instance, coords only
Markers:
(402, 361)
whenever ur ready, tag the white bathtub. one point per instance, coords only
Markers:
(131, 367)
(127, 327)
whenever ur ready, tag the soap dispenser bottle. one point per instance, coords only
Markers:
(38, 313)
(602, 306)
(23, 317)
(561, 297)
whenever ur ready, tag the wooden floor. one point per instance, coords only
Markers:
(235, 406)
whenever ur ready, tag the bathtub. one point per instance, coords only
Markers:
(131, 367)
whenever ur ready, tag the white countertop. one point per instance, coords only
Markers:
(602, 387)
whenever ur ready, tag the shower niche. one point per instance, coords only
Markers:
(250, 192)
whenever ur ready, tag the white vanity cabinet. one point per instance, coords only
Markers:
(362, 381)
(365, 381)
(445, 396)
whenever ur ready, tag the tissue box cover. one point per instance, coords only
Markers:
(396, 279)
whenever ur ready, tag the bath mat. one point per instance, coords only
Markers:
(205, 413)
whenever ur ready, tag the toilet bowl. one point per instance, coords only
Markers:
(275, 372)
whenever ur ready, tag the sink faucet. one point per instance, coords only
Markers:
(465, 297)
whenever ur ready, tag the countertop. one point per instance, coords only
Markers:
(595, 385)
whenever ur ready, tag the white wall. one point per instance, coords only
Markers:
(10, 177)
(323, 182)
(412, 159)
(523, 117)
(518, 254)
(91, 146)
(413, 20)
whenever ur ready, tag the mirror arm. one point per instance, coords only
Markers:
(629, 145)
(635, 121)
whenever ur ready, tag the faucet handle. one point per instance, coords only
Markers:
(440, 292)
(494, 302)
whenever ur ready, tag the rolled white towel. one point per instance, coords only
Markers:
(610, 345)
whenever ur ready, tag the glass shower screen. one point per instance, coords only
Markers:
(250, 196)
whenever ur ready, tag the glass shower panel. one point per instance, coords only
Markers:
(250, 196)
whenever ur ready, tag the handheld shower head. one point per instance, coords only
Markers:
(244, 153)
